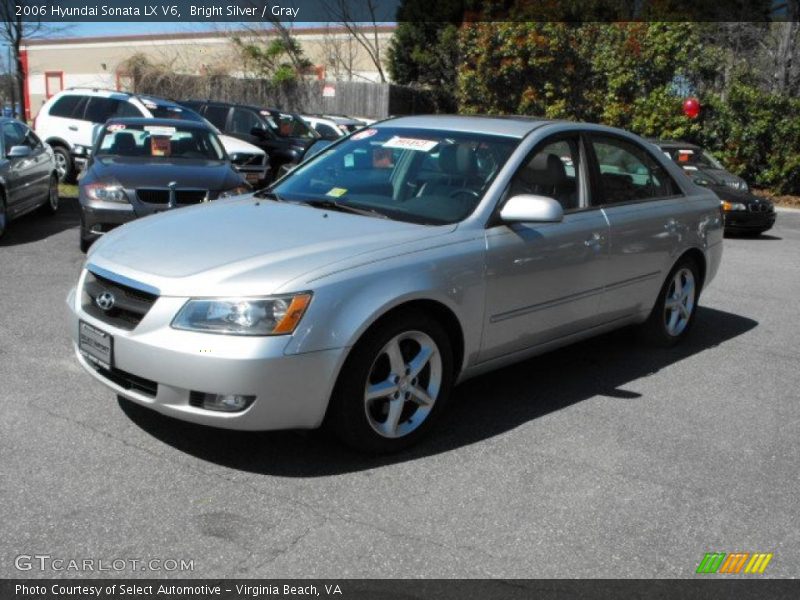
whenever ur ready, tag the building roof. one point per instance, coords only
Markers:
(184, 35)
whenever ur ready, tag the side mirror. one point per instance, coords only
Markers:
(529, 208)
(19, 152)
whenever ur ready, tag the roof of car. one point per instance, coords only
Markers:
(162, 122)
(510, 125)
(237, 105)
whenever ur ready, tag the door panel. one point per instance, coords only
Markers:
(643, 241)
(544, 281)
(640, 201)
(21, 171)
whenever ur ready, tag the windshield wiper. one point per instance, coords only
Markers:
(333, 205)
(269, 195)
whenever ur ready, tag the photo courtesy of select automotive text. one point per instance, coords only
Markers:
(399, 299)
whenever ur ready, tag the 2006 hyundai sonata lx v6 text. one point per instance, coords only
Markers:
(400, 260)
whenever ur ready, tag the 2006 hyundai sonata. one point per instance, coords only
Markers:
(407, 257)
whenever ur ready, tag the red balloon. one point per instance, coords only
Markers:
(691, 107)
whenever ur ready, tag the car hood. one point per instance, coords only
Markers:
(722, 176)
(247, 246)
(733, 195)
(143, 172)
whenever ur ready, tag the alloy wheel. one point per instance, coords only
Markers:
(61, 165)
(403, 384)
(680, 301)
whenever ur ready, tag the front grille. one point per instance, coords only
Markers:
(161, 196)
(243, 159)
(130, 305)
(128, 381)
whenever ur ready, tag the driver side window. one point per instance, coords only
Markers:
(551, 170)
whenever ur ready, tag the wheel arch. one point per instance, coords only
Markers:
(438, 310)
(699, 258)
(58, 142)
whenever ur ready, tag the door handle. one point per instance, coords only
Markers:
(594, 241)
(73, 128)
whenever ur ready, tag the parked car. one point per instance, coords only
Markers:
(284, 136)
(28, 178)
(70, 121)
(407, 257)
(698, 162)
(141, 166)
(313, 149)
(745, 212)
(332, 127)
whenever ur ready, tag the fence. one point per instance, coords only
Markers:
(364, 99)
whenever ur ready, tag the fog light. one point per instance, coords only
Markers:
(223, 402)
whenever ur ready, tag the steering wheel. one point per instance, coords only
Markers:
(464, 192)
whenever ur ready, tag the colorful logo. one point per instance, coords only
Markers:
(720, 562)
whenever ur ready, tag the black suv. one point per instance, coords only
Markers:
(283, 136)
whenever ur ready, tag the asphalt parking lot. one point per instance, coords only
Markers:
(606, 459)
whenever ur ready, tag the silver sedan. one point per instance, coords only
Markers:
(412, 255)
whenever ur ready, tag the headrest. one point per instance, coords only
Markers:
(458, 159)
(545, 169)
(124, 141)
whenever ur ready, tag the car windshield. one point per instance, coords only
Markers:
(288, 125)
(159, 142)
(694, 157)
(422, 176)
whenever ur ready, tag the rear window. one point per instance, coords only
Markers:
(65, 106)
(159, 142)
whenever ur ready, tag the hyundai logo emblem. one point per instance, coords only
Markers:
(105, 301)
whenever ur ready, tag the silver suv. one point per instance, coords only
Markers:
(417, 253)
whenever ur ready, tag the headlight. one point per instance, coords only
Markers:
(241, 189)
(277, 315)
(106, 192)
(727, 206)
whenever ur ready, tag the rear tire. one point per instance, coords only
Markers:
(673, 315)
(393, 386)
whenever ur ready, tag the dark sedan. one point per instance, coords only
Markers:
(28, 178)
(144, 166)
(745, 213)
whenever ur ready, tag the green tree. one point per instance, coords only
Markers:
(275, 55)
(424, 49)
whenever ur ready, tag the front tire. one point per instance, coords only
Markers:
(51, 203)
(674, 312)
(394, 385)
(64, 166)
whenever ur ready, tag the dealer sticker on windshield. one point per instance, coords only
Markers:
(159, 130)
(410, 144)
(336, 192)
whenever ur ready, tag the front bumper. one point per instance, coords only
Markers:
(741, 220)
(167, 365)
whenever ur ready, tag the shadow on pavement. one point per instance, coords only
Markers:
(38, 225)
(481, 408)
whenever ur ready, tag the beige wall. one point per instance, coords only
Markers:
(96, 62)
